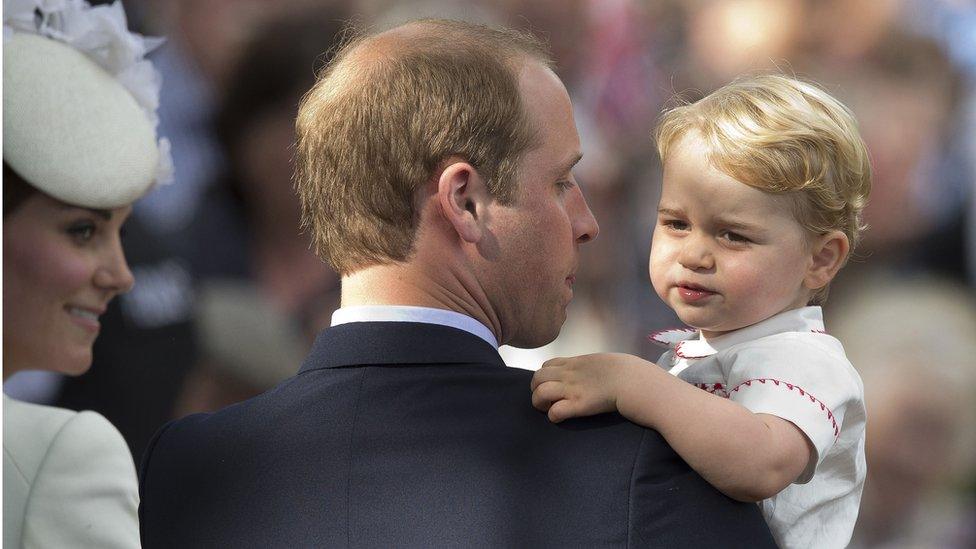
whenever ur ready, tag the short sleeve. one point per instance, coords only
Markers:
(85, 493)
(802, 378)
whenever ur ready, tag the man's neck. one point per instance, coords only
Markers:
(406, 284)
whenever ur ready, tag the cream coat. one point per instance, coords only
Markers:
(68, 480)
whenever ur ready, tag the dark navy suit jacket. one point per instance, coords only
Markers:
(401, 434)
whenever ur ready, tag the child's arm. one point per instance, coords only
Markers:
(747, 456)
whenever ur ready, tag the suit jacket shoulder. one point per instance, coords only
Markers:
(420, 436)
(69, 480)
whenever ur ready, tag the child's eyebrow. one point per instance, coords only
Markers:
(722, 221)
(737, 224)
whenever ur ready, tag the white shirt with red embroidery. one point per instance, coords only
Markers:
(787, 366)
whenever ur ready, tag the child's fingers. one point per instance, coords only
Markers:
(536, 381)
(545, 394)
(561, 410)
(554, 362)
(544, 374)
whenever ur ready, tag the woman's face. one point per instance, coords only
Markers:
(61, 266)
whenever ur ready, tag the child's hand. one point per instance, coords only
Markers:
(581, 386)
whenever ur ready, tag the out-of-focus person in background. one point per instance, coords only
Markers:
(912, 339)
(262, 293)
(79, 147)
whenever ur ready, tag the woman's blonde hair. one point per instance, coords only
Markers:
(783, 136)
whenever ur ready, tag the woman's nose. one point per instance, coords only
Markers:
(113, 273)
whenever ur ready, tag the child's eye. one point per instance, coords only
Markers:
(82, 231)
(675, 224)
(735, 238)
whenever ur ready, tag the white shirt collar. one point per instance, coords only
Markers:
(403, 313)
(804, 319)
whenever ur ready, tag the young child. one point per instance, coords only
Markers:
(764, 183)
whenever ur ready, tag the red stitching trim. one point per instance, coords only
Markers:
(653, 335)
(716, 389)
(677, 352)
(791, 386)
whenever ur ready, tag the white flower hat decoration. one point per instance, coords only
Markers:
(79, 103)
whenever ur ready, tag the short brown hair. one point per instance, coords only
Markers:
(783, 136)
(386, 113)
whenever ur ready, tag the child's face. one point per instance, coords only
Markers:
(724, 255)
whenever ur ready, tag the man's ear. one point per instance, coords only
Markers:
(828, 254)
(463, 198)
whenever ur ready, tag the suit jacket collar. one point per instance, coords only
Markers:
(389, 343)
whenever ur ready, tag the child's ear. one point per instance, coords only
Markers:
(826, 258)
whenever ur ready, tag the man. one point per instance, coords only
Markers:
(435, 169)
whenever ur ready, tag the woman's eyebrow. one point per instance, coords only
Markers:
(105, 214)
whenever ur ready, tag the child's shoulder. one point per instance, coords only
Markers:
(816, 342)
(797, 351)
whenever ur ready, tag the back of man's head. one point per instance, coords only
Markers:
(385, 115)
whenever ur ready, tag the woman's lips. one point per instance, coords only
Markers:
(87, 318)
(693, 294)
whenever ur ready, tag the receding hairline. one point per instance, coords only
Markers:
(363, 51)
(365, 56)
(387, 110)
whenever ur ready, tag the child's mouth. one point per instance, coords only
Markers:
(693, 294)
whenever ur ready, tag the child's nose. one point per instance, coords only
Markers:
(695, 254)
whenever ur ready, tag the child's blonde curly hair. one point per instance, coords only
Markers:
(783, 136)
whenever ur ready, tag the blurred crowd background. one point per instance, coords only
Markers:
(228, 297)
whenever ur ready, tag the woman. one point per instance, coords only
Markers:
(79, 147)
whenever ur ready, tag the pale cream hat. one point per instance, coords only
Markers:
(71, 128)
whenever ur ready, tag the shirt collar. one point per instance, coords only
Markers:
(687, 345)
(403, 313)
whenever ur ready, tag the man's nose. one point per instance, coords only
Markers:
(696, 253)
(585, 227)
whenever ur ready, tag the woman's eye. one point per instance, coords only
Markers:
(675, 225)
(82, 231)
